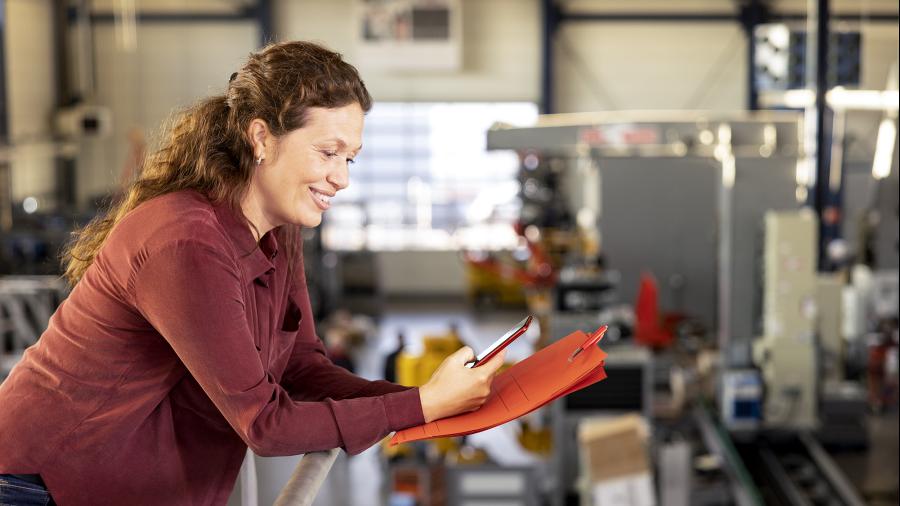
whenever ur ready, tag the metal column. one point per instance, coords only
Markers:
(550, 16)
(5, 175)
(822, 198)
(752, 15)
(264, 20)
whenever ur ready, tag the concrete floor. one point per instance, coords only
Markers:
(875, 472)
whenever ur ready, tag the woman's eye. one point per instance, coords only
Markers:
(333, 154)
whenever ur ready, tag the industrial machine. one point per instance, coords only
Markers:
(710, 205)
(697, 183)
(786, 352)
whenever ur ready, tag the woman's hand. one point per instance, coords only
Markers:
(454, 388)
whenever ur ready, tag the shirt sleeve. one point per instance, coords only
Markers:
(191, 293)
(310, 375)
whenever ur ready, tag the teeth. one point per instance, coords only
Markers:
(322, 197)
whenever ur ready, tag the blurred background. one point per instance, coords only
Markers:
(716, 180)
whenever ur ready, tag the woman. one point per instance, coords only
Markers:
(187, 336)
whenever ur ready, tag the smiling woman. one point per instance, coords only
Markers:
(297, 98)
(187, 337)
(299, 173)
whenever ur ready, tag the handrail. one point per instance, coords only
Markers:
(307, 478)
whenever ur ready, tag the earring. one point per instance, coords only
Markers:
(259, 160)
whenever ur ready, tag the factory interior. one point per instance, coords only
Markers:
(715, 181)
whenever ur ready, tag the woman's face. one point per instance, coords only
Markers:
(303, 169)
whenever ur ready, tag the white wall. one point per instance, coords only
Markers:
(616, 66)
(603, 65)
(501, 50)
(879, 50)
(727, 6)
(410, 273)
(599, 66)
(31, 95)
(172, 66)
(226, 6)
(838, 6)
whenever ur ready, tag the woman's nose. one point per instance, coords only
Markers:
(339, 177)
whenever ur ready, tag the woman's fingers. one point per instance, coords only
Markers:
(463, 355)
(453, 389)
(493, 365)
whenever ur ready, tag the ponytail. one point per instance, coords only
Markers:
(206, 148)
(197, 155)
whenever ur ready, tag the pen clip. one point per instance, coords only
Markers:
(595, 337)
(592, 340)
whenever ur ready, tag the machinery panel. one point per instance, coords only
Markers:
(786, 352)
(658, 215)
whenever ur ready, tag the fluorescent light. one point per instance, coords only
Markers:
(725, 134)
(884, 149)
(837, 98)
(30, 204)
(793, 99)
(799, 99)
(805, 173)
(724, 154)
(728, 169)
(862, 100)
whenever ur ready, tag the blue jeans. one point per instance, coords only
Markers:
(15, 491)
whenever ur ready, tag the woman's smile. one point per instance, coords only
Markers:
(323, 200)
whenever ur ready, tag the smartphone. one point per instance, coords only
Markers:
(501, 343)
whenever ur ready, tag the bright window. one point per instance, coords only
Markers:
(424, 180)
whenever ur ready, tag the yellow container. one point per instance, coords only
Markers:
(408, 370)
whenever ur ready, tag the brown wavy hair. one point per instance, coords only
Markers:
(206, 147)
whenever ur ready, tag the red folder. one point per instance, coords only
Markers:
(524, 387)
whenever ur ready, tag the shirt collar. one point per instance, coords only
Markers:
(256, 262)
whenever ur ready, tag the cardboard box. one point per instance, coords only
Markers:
(615, 470)
(633, 490)
(613, 447)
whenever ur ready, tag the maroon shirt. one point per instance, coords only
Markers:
(183, 344)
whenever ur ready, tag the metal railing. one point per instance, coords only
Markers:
(303, 485)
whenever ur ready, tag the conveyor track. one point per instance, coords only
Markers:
(796, 471)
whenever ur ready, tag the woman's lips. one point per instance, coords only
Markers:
(322, 200)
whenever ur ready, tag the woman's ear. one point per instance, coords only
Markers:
(258, 133)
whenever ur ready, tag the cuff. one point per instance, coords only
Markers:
(404, 409)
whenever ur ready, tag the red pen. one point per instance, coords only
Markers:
(591, 341)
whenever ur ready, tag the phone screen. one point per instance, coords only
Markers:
(501, 343)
